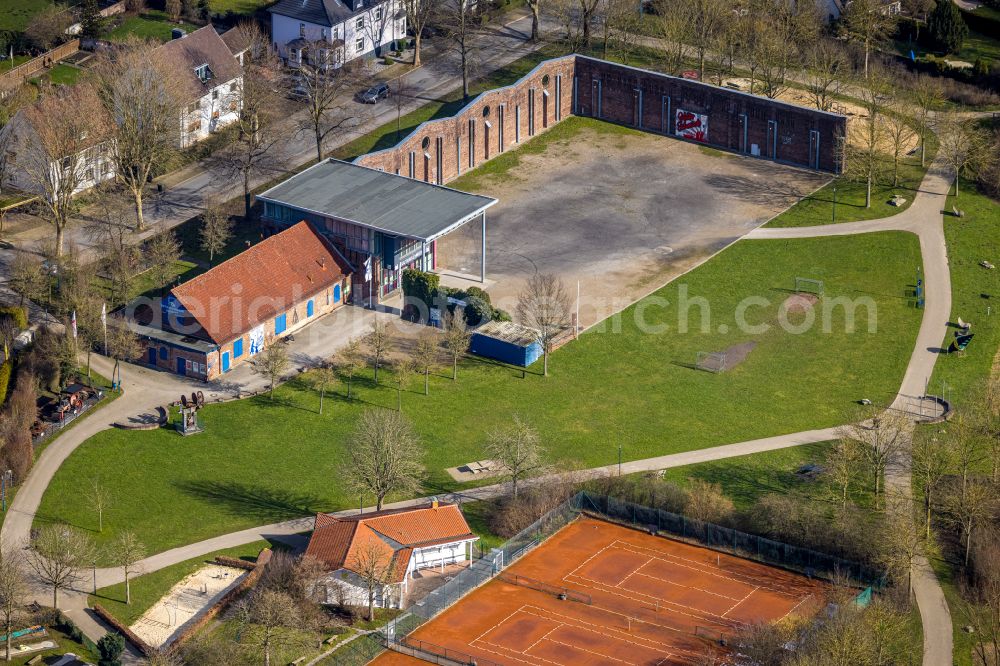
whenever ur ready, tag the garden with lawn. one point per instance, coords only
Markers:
(261, 460)
(150, 24)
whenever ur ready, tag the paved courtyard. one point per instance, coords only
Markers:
(622, 213)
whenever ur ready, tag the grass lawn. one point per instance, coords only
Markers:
(237, 6)
(977, 45)
(818, 208)
(974, 291)
(61, 74)
(150, 24)
(261, 461)
(148, 588)
(15, 14)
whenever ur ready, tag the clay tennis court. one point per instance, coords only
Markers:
(634, 598)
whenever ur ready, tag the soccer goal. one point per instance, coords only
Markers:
(808, 286)
(711, 361)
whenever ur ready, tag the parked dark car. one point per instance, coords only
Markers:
(374, 94)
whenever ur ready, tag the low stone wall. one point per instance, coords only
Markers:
(498, 120)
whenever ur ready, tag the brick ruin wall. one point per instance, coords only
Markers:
(498, 120)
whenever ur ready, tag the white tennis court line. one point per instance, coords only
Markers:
(733, 607)
(664, 604)
(713, 571)
(688, 587)
(792, 609)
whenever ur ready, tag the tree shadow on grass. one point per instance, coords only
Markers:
(245, 500)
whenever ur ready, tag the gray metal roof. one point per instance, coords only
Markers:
(382, 201)
(321, 12)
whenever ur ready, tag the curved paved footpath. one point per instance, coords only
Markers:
(923, 218)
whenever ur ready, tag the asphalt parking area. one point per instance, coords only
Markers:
(622, 213)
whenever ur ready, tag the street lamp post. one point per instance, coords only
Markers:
(6, 479)
(834, 203)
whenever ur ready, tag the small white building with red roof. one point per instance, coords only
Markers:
(396, 543)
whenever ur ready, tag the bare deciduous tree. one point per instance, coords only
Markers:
(903, 542)
(460, 24)
(868, 23)
(47, 28)
(328, 95)
(372, 565)
(543, 305)
(418, 13)
(518, 449)
(269, 620)
(928, 97)
(673, 27)
(883, 437)
(351, 360)
(536, 8)
(161, 252)
(98, 498)
(384, 455)
(971, 508)
(57, 556)
(898, 132)
(931, 462)
(865, 161)
(216, 231)
(379, 343)
(843, 466)
(825, 69)
(707, 502)
(323, 376)
(142, 95)
(123, 345)
(13, 593)
(271, 363)
(402, 371)
(256, 101)
(457, 337)
(426, 356)
(60, 129)
(963, 146)
(127, 551)
(27, 277)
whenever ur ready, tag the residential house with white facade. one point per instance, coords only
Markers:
(26, 157)
(210, 77)
(334, 32)
(402, 541)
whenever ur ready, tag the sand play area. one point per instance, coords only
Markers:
(185, 601)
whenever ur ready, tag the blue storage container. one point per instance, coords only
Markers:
(506, 341)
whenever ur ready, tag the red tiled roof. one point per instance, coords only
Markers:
(338, 542)
(271, 276)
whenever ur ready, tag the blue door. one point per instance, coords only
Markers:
(238, 348)
(310, 308)
(225, 361)
(280, 324)
(336, 293)
(180, 366)
(152, 356)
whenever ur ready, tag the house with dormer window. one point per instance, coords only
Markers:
(331, 33)
(210, 77)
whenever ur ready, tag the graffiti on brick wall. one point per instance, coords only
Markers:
(692, 126)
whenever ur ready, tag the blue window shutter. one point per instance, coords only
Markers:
(280, 324)
(238, 348)
(310, 308)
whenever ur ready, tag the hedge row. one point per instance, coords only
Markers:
(5, 372)
(18, 313)
(145, 648)
(234, 562)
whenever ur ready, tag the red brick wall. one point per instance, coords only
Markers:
(447, 140)
(621, 94)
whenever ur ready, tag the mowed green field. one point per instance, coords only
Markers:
(626, 383)
(15, 14)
